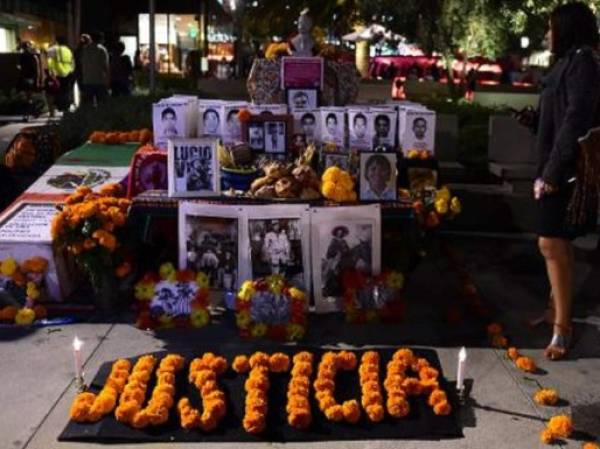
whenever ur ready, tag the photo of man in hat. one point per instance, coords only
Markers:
(337, 259)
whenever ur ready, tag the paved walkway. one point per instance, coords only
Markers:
(37, 388)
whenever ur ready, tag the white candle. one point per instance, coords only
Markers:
(460, 370)
(77, 344)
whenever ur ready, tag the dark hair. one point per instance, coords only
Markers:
(359, 115)
(422, 119)
(379, 160)
(97, 37)
(300, 93)
(573, 25)
(61, 40)
(232, 112)
(207, 111)
(308, 115)
(331, 115)
(167, 111)
(120, 47)
(383, 117)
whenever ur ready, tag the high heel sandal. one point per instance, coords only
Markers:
(547, 315)
(560, 344)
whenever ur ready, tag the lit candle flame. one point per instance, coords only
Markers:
(462, 355)
(77, 344)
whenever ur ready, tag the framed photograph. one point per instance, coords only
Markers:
(383, 129)
(278, 242)
(231, 127)
(299, 100)
(210, 119)
(418, 127)
(378, 176)
(211, 240)
(307, 123)
(193, 168)
(302, 72)
(342, 238)
(169, 121)
(359, 129)
(333, 126)
(268, 133)
(340, 160)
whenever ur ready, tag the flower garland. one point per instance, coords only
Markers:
(142, 136)
(372, 398)
(152, 314)
(372, 300)
(134, 393)
(397, 405)
(298, 404)
(324, 386)
(23, 281)
(256, 386)
(271, 308)
(88, 407)
(203, 374)
(163, 394)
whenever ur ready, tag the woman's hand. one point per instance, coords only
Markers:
(541, 188)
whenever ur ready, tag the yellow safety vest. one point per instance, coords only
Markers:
(61, 63)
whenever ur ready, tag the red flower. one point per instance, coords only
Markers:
(151, 278)
(242, 305)
(298, 318)
(260, 285)
(245, 333)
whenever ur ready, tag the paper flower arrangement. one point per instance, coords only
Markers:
(172, 298)
(271, 308)
(24, 283)
(338, 185)
(371, 300)
(142, 136)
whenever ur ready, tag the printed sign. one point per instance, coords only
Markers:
(193, 167)
(30, 222)
(301, 72)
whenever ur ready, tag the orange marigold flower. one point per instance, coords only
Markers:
(436, 397)
(351, 411)
(546, 396)
(335, 413)
(442, 408)
(512, 353)
(123, 270)
(499, 341)
(590, 445)
(561, 426)
(526, 364)
(35, 265)
(279, 362)
(244, 115)
(546, 436)
(241, 364)
(111, 189)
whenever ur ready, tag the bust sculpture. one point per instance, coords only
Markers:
(303, 43)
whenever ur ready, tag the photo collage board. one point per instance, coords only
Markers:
(310, 247)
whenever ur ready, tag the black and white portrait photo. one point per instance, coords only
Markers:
(275, 137)
(342, 240)
(302, 99)
(169, 122)
(256, 136)
(212, 247)
(359, 130)
(276, 248)
(232, 128)
(384, 130)
(209, 241)
(193, 167)
(332, 126)
(345, 247)
(340, 160)
(418, 127)
(211, 121)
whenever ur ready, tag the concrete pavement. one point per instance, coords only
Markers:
(36, 376)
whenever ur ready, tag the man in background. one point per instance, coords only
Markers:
(61, 64)
(94, 71)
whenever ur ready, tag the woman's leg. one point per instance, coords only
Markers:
(559, 257)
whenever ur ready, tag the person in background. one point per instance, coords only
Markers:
(121, 72)
(84, 41)
(94, 71)
(31, 75)
(61, 65)
(569, 107)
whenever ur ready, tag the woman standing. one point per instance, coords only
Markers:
(569, 107)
